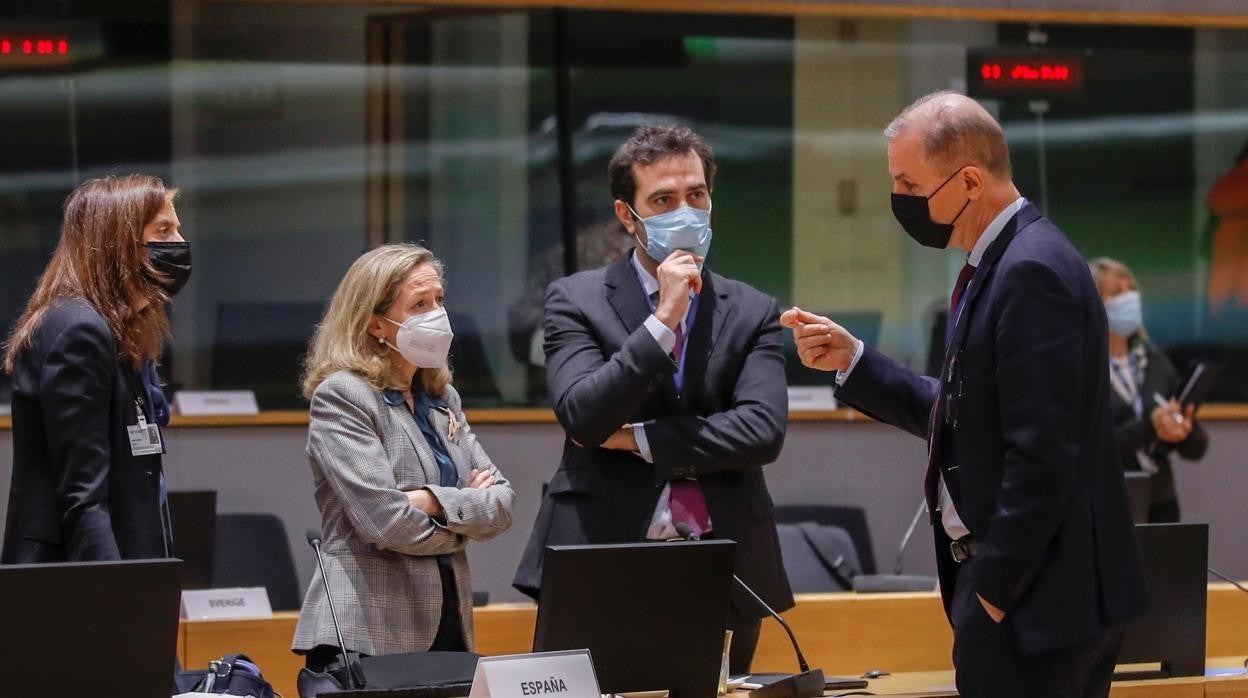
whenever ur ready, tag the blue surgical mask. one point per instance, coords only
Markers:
(1125, 313)
(686, 228)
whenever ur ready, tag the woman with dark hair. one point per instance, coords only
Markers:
(87, 406)
(1148, 430)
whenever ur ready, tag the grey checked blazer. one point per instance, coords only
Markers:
(365, 454)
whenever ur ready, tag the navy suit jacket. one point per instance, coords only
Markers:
(78, 494)
(604, 370)
(1025, 440)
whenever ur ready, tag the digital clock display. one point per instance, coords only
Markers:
(19, 49)
(47, 46)
(993, 73)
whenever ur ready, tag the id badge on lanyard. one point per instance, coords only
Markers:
(144, 437)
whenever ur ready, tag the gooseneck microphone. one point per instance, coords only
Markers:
(901, 550)
(807, 684)
(314, 540)
(868, 583)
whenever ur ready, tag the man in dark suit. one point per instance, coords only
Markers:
(1037, 558)
(668, 380)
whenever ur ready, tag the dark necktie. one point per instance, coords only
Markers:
(679, 347)
(964, 279)
(931, 481)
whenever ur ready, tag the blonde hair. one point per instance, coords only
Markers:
(342, 341)
(1106, 266)
(1102, 267)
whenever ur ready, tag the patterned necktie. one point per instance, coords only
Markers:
(688, 506)
(687, 503)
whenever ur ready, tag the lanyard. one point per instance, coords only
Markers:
(1127, 388)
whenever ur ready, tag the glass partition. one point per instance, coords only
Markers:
(301, 134)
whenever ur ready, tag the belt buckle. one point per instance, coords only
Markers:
(958, 551)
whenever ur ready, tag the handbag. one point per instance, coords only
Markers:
(231, 675)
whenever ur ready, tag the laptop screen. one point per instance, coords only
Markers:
(652, 615)
(91, 628)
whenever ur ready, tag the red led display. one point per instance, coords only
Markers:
(992, 73)
(35, 50)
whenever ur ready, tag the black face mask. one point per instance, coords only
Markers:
(915, 217)
(173, 261)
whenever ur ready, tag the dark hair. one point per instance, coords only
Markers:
(100, 258)
(649, 144)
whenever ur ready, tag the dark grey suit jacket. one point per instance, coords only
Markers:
(604, 370)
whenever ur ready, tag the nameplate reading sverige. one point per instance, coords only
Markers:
(568, 674)
(214, 604)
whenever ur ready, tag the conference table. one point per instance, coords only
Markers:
(845, 634)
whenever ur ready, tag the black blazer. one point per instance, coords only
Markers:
(1137, 434)
(77, 492)
(604, 370)
(1026, 441)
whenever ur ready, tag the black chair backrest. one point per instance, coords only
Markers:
(852, 519)
(252, 550)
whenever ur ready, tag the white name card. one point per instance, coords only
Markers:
(215, 604)
(568, 674)
(200, 403)
(811, 397)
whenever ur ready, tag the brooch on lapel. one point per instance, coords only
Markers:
(453, 429)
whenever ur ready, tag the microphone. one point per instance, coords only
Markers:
(868, 583)
(807, 684)
(353, 681)
(918, 514)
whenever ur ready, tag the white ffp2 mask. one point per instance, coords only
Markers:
(425, 339)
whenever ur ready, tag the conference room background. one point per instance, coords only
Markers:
(302, 134)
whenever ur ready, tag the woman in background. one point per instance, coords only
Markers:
(87, 481)
(1147, 432)
(400, 479)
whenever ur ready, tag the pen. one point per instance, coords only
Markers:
(1162, 402)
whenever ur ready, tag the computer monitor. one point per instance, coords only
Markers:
(1139, 492)
(1176, 561)
(194, 517)
(652, 615)
(91, 628)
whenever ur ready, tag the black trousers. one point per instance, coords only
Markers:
(989, 664)
(744, 642)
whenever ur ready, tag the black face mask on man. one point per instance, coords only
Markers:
(173, 261)
(914, 214)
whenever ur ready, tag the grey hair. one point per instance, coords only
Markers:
(949, 131)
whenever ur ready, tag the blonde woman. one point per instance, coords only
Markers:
(1147, 432)
(400, 479)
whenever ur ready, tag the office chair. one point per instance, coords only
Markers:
(852, 519)
(252, 550)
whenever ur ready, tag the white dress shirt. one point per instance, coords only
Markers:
(661, 522)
